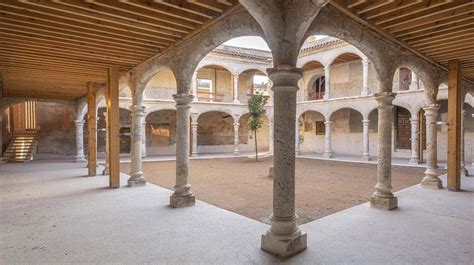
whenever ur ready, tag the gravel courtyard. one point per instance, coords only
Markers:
(242, 186)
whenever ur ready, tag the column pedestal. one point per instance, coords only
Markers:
(431, 179)
(182, 196)
(136, 174)
(383, 197)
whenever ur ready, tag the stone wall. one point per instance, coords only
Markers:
(161, 133)
(161, 86)
(56, 130)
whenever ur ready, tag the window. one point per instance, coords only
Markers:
(320, 128)
(204, 89)
(317, 90)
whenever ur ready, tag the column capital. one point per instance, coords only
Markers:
(285, 77)
(183, 100)
(138, 110)
(365, 62)
(194, 124)
(385, 98)
(431, 109)
(414, 121)
(366, 122)
(327, 123)
(236, 78)
(236, 124)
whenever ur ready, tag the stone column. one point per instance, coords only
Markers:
(144, 139)
(182, 195)
(365, 77)
(297, 137)
(194, 86)
(194, 128)
(236, 136)
(327, 81)
(472, 151)
(236, 89)
(327, 140)
(79, 141)
(136, 174)
(1, 137)
(431, 179)
(415, 145)
(270, 136)
(365, 137)
(107, 162)
(383, 197)
(415, 83)
(284, 235)
(463, 170)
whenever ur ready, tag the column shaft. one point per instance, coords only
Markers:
(415, 140)
(463, 170)
(136, 174)
(283, 229)
(297, 137)
(194, 126)
(236, 137)
(79, 141)
(182, 195)
(431, 179)
(194, 86)
(236, 89)
(365, 132)
(143, 139)
(107, 164)
(327, 140)
(383, 197)
(365, 77)
(270, 137)
(327, 82)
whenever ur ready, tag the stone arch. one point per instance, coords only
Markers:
(369, 43)
(220, 83)
(226, 111)
(246, 83)
(160, 132)
(205, 64)
(334, 58)
(246, 138)
(162, 85)
(344, 108)
(215, 132)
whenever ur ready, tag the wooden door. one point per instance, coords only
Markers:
(403, 129)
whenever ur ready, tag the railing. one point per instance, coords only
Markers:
(210, 96)
(316, 96)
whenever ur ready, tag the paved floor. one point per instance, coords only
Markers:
(50, 212)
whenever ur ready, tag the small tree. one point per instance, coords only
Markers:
(256, 109)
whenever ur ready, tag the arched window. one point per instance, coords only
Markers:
(317, 90)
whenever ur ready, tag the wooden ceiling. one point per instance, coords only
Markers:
(53, 48)
(439, 30)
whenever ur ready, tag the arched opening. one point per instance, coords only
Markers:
(41, 129)
(406, 79)
(125, 123)
(215, 132)
(247, 138)
(346, 128)
(252, 82)
(346, 75)
(161, 133)
(214, 84)
(312, 131)
(161, 86)
(316, 86)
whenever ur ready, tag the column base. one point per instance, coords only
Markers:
(105, 172)
(385, 203)
(366, 158)
(182, 201)
(430, 182)
(79, 159)
(414, 161)
(136, 182)
(236, 153)
(284, 248)
(194, 154)
(236, 101)
(464, 172)
(328, 155)
(270, 172)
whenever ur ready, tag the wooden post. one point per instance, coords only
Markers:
(92, 129)
(454, 125)
(113, 125)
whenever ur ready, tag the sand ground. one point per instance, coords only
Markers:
(242, 186)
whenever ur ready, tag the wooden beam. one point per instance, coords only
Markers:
(113, 125)
(92, 129)
(454, 125)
